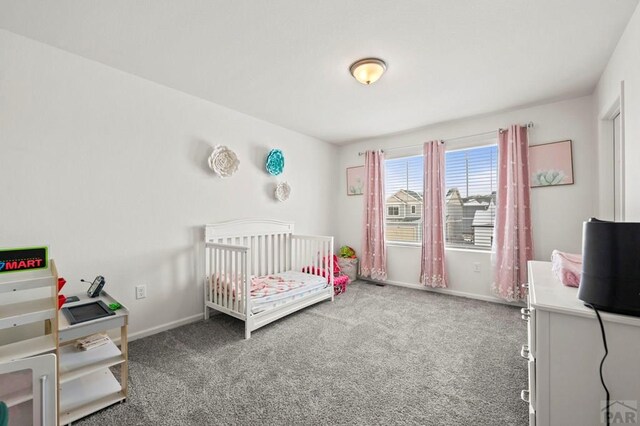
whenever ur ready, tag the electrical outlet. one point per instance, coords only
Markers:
(476, 267)
(141, 291)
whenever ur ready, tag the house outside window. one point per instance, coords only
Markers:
(403, 186)
(470, 204)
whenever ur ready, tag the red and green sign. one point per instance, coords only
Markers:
(23, 259)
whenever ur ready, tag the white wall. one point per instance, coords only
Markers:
(109, 170)
(623, 67)
(557, 212)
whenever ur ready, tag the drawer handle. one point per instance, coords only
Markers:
(525, 311)
(524, 352)
(524, 395)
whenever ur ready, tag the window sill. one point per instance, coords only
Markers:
(468, 250)
(400, 244)
(419, 245)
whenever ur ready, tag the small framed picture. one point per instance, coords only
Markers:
(551, 164)
(355, 180)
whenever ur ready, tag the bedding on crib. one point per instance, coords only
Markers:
(272, 290)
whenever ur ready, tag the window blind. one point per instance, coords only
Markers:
(471, 183)
(403, 199)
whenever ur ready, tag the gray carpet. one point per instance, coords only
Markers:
(375, 356)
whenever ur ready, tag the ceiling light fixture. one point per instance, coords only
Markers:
(368, 70)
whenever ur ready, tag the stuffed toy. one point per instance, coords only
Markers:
(348, 252)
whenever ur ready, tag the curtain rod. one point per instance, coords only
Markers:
(528, 126)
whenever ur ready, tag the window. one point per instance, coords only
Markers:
(470, 205)
(403, 198)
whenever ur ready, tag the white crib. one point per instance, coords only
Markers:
(238, 250)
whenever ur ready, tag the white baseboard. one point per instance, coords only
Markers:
(448, 291)
(164, 327)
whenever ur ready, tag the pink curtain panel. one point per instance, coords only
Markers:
(513, 241)
(433, 272)
(373, 256)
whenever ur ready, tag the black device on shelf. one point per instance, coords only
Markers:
(87, 312)
(610, 266)
(96, 286)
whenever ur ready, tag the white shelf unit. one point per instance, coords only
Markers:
(31, 311)
(86, 381)
(24, 353)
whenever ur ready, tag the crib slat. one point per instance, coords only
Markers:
(233, 280)
(316, 256)
(236, 271)
(246, 296)
(264, 255)
(284, 252)
(274, 255)
(216, 273)
(288, 256)
(268, 254)
(267, 262)
(259, 254)
(225, 270)
(254, 256)
(322, 255)
(216, 269)
(239, 276)
(280, 255)
(230, 286)
(211, 274)
(220, 275)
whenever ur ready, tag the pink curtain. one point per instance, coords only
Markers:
(373, 256)
(433, 272)
(513, 241)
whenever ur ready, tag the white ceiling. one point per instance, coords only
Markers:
(286, 61)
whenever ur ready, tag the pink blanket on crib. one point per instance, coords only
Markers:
(264, 286)
(567, 267)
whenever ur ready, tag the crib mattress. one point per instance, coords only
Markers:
(305, 285)
(273, 290)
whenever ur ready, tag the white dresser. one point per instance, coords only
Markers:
(564, 351)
